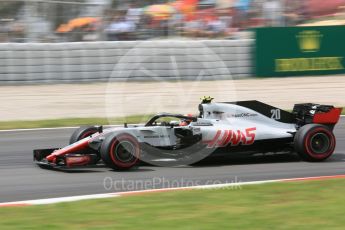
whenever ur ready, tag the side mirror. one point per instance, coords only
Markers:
(100, 129)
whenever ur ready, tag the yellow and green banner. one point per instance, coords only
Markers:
(291, 51)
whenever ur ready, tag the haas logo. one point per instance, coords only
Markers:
(225, 137)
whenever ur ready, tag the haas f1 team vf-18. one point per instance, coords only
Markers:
(220, 128)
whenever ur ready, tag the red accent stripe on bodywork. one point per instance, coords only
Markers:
(77, 160)
(75, 147)
(331, 117)
(213, 142)
(221, 142)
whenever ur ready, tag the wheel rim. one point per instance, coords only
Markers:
(125, 151)
(320, 143)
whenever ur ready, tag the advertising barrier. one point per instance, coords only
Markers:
(294, 51)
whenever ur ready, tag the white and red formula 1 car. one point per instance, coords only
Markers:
(220, 128)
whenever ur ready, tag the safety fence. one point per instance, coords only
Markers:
(125, 60)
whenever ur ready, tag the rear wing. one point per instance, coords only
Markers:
(318, 114)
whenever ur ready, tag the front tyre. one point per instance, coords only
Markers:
(120, 152)
(82, 133)
(314, 142)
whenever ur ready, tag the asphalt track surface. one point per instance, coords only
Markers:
(20, 179)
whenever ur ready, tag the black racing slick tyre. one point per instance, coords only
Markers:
(82, 133)
(314, 142)
(120, 152)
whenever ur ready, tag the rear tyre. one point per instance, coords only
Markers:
(314, 142)
(120, 152)
(83, 132)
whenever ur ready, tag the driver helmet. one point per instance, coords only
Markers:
(185, 122)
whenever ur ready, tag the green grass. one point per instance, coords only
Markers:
(290, 205)
(65, 122)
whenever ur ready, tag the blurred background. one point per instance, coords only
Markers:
(114, 20)
(154, 46)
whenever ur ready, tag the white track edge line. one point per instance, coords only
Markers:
(119, 194)
(54, 128)
(36, 129)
